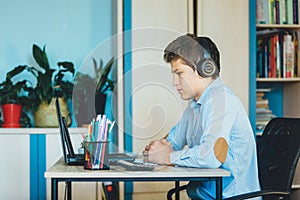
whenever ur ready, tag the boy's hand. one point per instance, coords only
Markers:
(158, 152)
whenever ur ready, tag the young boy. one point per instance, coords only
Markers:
(214, 130)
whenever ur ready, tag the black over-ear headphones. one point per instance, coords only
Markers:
(207, 68)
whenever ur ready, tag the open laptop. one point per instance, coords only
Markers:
(69, 156)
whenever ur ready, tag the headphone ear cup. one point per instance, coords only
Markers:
(206, 68)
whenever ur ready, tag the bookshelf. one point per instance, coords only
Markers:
(277, 58)
(284, 95)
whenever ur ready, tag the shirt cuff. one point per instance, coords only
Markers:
(176, 156)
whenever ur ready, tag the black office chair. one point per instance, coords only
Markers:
(278, 152)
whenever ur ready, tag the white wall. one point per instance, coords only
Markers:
(156, 106)
(227, 23)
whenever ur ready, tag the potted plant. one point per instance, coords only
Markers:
(50, 83)
(89, 93)
(14, 96)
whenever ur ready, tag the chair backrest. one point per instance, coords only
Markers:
(278, 153)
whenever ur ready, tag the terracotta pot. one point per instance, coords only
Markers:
(11, 115)
(46, 116)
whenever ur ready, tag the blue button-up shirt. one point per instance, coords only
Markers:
(217, 114)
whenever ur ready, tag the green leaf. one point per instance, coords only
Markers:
(15, 71)
(69, 66)
(40, 56)
(104, 76)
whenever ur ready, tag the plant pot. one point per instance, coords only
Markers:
(86, 111)
(46, 116)
(100, 100)
(11, 115)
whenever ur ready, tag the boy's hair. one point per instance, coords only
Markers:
(192, 49)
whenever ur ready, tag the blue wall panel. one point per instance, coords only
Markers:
(127, 26)
(252, 63)
(69, 29)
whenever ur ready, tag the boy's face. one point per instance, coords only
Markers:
(189, 84)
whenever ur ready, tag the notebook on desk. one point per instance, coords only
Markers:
(68, 151)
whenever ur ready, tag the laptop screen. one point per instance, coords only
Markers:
(68, 152)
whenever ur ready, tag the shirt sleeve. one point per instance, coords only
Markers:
(177, 134)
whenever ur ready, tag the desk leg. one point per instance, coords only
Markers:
(219, 188)
(69, 190)
(177, 192)
(54, 189)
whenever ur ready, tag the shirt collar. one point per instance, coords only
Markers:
(194, 104)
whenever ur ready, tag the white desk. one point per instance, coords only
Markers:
(60, 172)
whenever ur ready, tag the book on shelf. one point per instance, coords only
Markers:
(262, 90)
(289, 54)
(278, 55)
(277, 11)
(297, 52)
(260, 12)
(263, 112)
(262, 103)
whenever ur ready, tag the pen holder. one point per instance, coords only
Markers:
(95, 155)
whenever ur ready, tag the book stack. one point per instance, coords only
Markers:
(263, 112)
